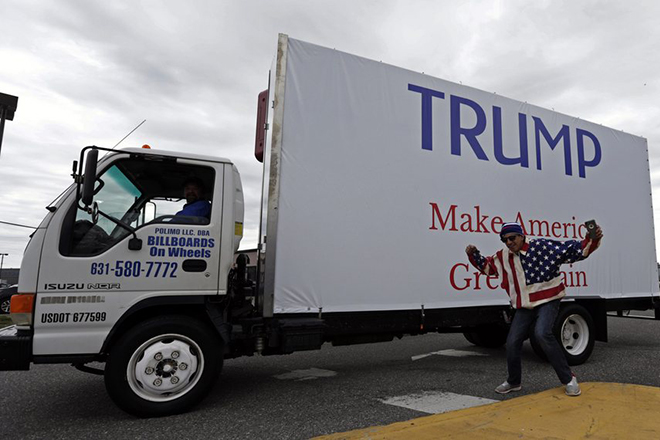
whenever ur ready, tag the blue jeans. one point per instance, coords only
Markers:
(544, 316)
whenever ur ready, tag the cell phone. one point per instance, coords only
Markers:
(591, 228)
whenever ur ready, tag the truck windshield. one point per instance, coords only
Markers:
(115, 197)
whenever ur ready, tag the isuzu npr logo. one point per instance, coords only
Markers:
(64, 286)
(585, 140)
(82, 286)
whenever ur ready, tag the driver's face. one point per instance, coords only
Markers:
(192, 192)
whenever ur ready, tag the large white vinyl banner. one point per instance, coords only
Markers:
(387, 175)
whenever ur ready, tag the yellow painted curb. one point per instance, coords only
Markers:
(603, 411)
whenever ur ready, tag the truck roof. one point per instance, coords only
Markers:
(170, 153)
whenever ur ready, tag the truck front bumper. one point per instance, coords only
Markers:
(15, 349)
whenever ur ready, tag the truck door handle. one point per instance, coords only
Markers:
(194, 265)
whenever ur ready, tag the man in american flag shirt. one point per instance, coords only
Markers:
(529, 272)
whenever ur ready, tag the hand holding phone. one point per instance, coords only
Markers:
(592, 228)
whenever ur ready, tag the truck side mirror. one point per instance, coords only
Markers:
(89, 177)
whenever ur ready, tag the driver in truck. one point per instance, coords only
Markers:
(529, 272)
(196, 205)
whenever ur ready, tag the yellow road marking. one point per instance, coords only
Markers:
(603, 411)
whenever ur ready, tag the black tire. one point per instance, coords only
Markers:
(163, 348)
(5, 298)
(4, 305)
(574, 330)
(492, 336)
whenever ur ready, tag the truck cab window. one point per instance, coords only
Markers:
(135, 192)
(115, 197)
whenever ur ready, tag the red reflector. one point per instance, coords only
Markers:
(262, 117)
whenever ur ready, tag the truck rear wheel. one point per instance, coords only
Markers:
(492, 336)
(163, 366)
(574, 329)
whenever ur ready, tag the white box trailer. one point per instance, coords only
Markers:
(397, 171)
(375, 180)
(380, 176)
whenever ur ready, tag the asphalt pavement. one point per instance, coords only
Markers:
(308, 394)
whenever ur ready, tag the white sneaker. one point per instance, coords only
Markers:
(573, 388)
(506, 388)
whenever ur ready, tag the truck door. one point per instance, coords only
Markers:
(89, 276)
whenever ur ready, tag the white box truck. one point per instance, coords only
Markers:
(375, 179)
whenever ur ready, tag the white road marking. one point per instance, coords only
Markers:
(436, 402)
(450, 352)
(310, 374)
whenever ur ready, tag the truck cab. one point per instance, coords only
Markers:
(118, 254)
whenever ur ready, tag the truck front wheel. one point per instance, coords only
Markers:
(163, 366)
(574, 329)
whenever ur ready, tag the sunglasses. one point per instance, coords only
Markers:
(510, 238)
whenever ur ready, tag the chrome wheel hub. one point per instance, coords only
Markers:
(165, 367)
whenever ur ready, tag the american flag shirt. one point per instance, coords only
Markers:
(531, 277)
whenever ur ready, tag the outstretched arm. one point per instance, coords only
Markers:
(484, 265)
(574, 250)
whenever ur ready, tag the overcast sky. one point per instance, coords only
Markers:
(87, 72)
